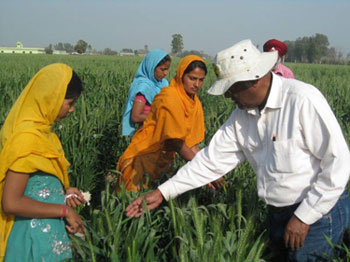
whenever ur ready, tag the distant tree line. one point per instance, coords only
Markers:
(307, 49)
(127, 50)
(313, 49)
(80, 47)
(336, 57)
(136, 52)
(108, 51)
(69, 48)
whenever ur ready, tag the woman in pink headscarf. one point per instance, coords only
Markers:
(280, 69)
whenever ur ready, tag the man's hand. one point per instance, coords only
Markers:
(218, 183)
(152, 200)
(295, 233)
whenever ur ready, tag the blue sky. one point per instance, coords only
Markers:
(207, 25)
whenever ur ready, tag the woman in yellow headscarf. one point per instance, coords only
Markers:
(175, 124)
(33, 171)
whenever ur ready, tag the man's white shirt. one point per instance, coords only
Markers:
(294, 145)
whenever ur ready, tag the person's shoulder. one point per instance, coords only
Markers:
(168, 90)
(23, 143)
(167, 93)
(167, 97)
(289, 73)
(239, 115)
(140, 85)
(302, 88)
(284, 71)
(301, 91)
(31, 136)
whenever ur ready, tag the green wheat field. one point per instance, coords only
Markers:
(202, 225)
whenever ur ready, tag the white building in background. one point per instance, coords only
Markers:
(122, 53)
(19, 49)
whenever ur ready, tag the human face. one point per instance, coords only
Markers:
(161, 71)
(193, 81)
(66, 108)
(246, 97)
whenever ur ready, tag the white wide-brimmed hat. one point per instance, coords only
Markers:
(241, 62)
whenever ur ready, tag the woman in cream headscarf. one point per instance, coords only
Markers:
(33, 171)
(175, 124)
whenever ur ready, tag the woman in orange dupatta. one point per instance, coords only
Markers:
(175, 124)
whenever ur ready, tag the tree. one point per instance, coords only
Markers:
(49, 50)
(332, 53)
(89, 48)
(307, 49)
(312, 52)
(81, 46)
(177, 44)
(127, 50)
(68, 47)
(59, 46)
(318, 47)
(290, 56)
(108, 51)
(340, 55)
(335, 56)
(301, 48)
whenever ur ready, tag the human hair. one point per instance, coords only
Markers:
(196, 64)
(164, 60)
(74, 88)
(239, 87)
(246, 84)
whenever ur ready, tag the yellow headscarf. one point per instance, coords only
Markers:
(174, 115)
(27, 142)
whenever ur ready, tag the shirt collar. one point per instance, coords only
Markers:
(275, 96)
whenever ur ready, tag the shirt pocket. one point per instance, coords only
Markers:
(284, 157)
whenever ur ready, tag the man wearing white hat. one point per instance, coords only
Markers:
(288, 133)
